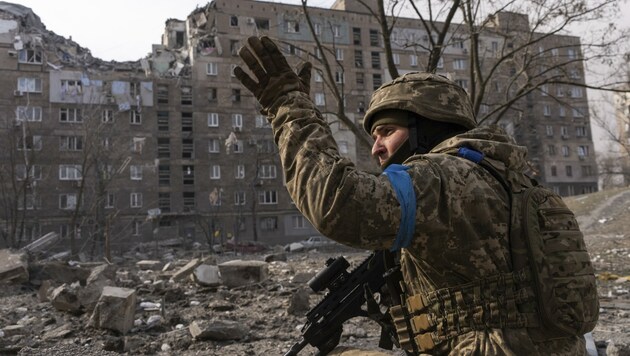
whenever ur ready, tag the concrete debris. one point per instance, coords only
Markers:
(115, 309)
(217, 330)
(65, 298)
(275, 257)
(13, 267)
(150, 265)
(238, 273)
(617, 349)
(299, 302)
(186, 270)
(12, 330)
(42, 243)
(60, 332)
(207, 275)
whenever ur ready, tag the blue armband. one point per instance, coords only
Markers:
(401, 182)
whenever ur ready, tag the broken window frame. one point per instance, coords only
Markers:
(188, 148)
(293, 26)
(67, 201)
(30, 56)
(162, 94)
(233, 21)
(29, 143)
(135, 117)
(28, 113)
(186, 95)
(34, 172)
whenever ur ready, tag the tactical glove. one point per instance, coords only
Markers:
(275, 77)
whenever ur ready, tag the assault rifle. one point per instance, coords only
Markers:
(345, 299)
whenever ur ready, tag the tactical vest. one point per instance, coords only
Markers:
(551, 290)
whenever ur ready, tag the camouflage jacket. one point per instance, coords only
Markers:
(461, 218)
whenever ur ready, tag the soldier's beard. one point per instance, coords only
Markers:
(400, 155)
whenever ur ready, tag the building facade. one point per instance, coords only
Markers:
(174, 146)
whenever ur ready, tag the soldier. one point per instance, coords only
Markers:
(450, 221)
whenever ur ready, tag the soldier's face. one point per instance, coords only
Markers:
(387, 139)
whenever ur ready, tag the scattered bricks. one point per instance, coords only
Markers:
(13, 267)
(115, 309)
(217, 330)
(64, 298)
(239, 273)
(186, 270)
(150, 265)
(207, 275)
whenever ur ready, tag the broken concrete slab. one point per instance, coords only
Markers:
(65, 298)
(238, 273)
(42, 243)
(13, 266)
(186, 270)
(100, 276)
(150, 265)
(217, 330)
(115, 309)
(207, 275)
(59, 332)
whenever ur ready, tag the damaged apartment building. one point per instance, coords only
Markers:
(173, 146)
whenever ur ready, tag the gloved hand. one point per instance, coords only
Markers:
(275, 76)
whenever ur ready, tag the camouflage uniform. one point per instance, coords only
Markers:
(461, 232)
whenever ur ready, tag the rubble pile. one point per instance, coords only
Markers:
(178, 300)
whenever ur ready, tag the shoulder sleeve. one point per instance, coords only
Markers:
(350, 206)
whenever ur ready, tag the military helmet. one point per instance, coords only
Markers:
(429, 95)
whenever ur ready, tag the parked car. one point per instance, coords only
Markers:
(317, 241)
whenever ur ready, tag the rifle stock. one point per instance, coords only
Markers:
(347, 292)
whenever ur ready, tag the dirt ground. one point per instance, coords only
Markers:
(33, 327)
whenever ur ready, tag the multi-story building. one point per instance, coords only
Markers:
(173, 145)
